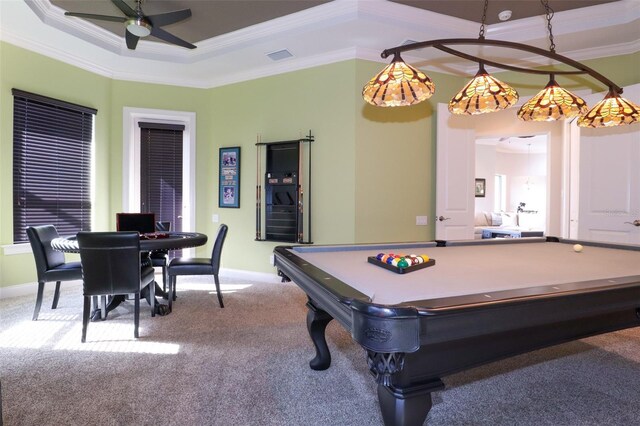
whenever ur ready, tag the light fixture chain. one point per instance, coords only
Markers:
(484, 18)
(549, 13)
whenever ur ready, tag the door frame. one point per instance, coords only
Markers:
(131, 158)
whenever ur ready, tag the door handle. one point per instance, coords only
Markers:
(634, 223)
(442, 218)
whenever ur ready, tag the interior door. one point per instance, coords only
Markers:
(455, 176)
(609, 182)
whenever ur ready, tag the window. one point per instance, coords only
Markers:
(500, 199)
(161, 171)
(52, 142)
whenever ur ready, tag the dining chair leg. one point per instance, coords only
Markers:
(136, 315)
(86, 310)
(170, 294)
(56, 296)
(103, 309)
(175, 282)
(36, 311)
(217, 281)
(165, 273)
(152, 295)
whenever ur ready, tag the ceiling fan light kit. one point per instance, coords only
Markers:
(138, 25)
(486, 94)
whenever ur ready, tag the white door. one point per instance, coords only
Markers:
(609, 182)
(455, 176)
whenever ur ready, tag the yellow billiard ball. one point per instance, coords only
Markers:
(425, 257)
(577, 248)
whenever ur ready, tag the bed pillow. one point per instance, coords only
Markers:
(496, 219)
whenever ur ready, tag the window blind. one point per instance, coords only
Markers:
(51, 164)
(161, 172)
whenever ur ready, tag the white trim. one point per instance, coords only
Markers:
(413, 20)
(568, 21)
(131, 158)
(11, 249)
(250, 275)
(29, 289)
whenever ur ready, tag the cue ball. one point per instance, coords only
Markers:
(577, 248)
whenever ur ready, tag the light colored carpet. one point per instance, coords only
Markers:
(247, 364)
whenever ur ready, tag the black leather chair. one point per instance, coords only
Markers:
(111, 266)
(50, 263)
(198, 266)
(160, 258)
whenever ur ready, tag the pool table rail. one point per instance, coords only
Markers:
(411, 346)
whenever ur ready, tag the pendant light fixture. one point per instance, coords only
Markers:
(401, 84)
(483, 94)
(398, 84)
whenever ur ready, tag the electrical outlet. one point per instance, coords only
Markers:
(215, 218)
(422, 220)
(272, 260)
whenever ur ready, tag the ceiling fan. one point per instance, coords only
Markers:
(140, 25)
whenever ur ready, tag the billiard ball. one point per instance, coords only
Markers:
(390, 259)
(402, 263)
(425, 257)
(395, 261)
(577, 248)
(379, 256)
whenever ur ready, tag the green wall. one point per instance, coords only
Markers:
(373, 168)
(31, 72)
(395, 162)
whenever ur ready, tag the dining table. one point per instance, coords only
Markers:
(148, 242)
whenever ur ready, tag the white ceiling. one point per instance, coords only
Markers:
(524, 144)
(331, 32)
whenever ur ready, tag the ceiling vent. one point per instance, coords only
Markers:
(279, 55)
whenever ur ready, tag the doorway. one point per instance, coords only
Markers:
(515, 172)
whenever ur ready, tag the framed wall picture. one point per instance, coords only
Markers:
(481, 185)
(229, 182)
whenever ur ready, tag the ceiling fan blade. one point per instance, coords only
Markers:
(125, 8)
(132, 40)
(169, 17)
(98, 17)
(163, 35)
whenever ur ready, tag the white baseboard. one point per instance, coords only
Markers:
(32, 288)
(250, 275)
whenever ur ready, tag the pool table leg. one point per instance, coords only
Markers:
(403, 409)
(317, 321)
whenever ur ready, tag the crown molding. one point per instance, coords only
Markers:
(427, 25)
(577, 55)
(316, 17)
(566, 22)
(287, 65)
(51, 52)
(413, 18)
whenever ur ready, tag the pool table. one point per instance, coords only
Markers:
(482, 300)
